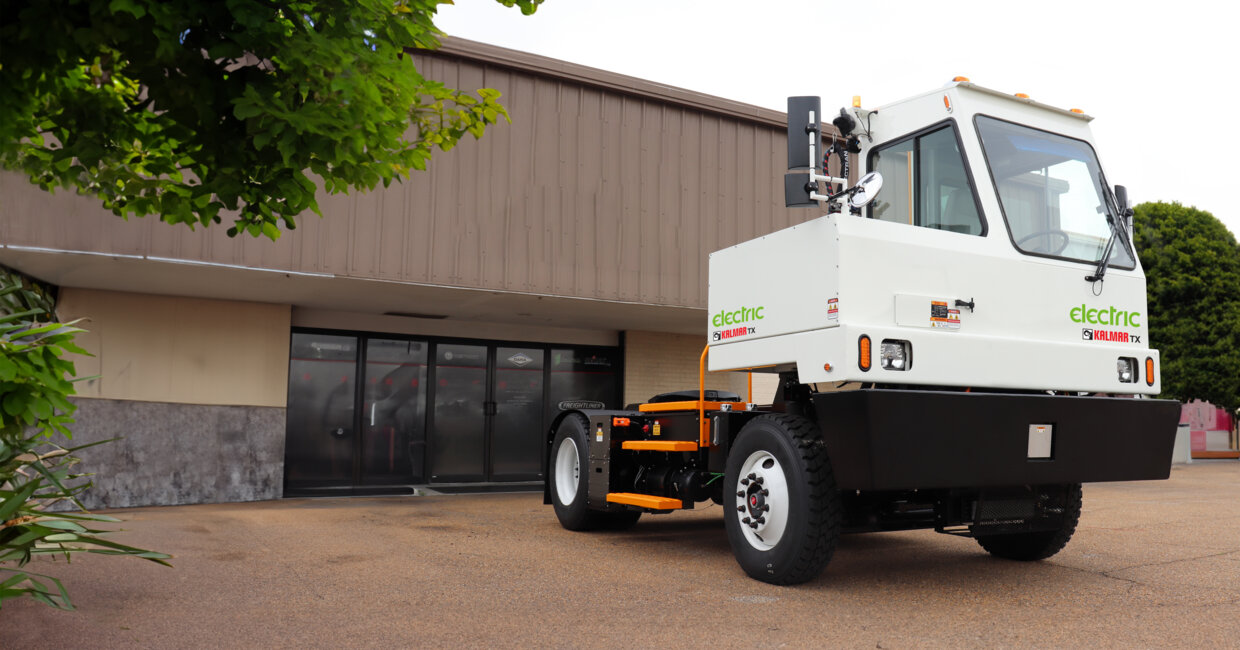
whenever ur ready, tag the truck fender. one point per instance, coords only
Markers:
(550, 438)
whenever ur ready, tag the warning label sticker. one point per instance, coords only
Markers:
(833, 309)
(944, 317)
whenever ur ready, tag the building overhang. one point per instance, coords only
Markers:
(172, 277)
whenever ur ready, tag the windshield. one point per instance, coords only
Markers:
(1050, 191)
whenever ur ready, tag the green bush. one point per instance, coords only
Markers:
(1192, 269)
(35, 471)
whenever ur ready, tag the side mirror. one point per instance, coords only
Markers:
(866, 190)
(1121, 197)
(804, 116)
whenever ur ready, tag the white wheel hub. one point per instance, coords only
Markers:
(762, 500)
(567, 471)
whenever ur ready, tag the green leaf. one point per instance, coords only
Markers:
(15, 403)
(17, 500)
(62, 525)
(244, 110)
(8, 369)
(133, 8)
(41, 408)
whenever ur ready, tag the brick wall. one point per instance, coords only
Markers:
(658, 362)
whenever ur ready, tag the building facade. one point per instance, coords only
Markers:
(424, 334)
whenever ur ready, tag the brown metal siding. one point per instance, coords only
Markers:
(601, 187)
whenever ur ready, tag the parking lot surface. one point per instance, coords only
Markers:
(1152, 564)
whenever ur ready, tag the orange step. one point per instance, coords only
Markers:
(1203, 455)
(659, 445)
(645, 501)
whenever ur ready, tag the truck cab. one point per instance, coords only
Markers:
(970, 265)
(960, 340)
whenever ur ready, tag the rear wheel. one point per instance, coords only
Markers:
(783, 518)
(1028, 547)
(570, 453)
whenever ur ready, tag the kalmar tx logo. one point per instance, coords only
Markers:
(734, 332)
(1111, 336)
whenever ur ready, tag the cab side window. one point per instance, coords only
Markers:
(925, 184)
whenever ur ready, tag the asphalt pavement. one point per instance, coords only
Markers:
(1153, 564)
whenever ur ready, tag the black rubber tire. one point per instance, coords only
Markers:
(577, 515)
(1029, 547)
(814, 505)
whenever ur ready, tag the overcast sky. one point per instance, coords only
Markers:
(1160, 78)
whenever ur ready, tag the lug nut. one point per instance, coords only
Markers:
(765, 507)
(745, 520)
(760, 520)
(765, 492)
(759, 480)
(753, 526)
(752, 476)
(740, 508)
(740, 493)
(744, 481)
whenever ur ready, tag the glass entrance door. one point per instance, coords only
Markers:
(322, 391)
(517, 427)
(459, 416)
(393, 441)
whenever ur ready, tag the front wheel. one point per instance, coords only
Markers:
(1028, 547)
(783, 521)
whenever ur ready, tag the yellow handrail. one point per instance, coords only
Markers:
(703, 426)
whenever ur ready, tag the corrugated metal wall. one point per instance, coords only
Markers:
(602, 187)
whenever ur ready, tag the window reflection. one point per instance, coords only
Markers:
(925, 184)
(394, 411)
(1051, 192)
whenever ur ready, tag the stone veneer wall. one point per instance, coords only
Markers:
(174, 454)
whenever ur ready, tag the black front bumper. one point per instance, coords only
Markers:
(899, 440)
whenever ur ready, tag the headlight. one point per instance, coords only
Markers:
(895, 355)
(1127, 369)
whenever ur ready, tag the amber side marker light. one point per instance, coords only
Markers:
(1149, 371)
(1022, 95)
(863, 353)
(1077, 111)
(960, 78)
(620, 422)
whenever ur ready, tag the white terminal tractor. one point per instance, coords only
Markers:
(961, 340)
